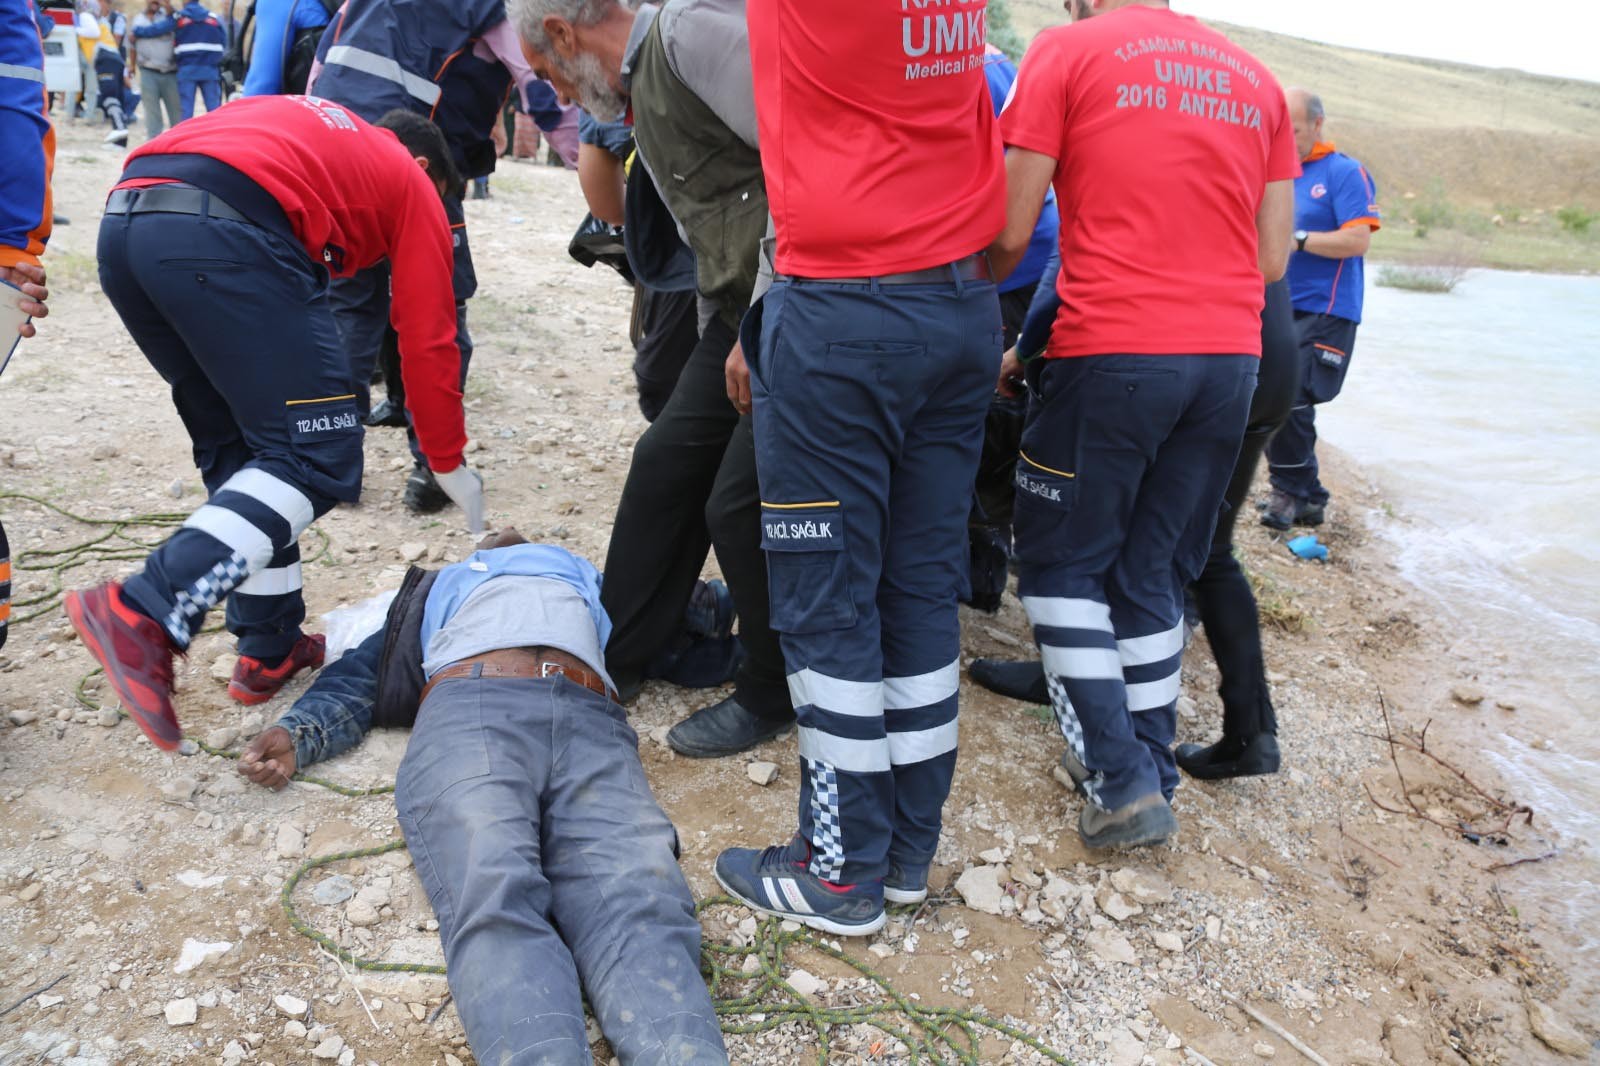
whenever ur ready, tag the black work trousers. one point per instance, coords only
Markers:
(1222, 592)
(692, 486)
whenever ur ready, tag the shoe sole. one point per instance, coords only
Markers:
(691, 752)
(810, 921)
(248, 697)
(904, 896)
(1232, 775)
(88, 633)
(1110, 841)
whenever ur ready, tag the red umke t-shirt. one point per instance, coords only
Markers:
(1165, 135)
(878, 139)
(353, 196)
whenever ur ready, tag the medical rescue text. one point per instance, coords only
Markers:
(942, 37)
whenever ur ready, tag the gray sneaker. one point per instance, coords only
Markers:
(1147, 820)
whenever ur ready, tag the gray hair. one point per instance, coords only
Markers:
(1314, 112)
(527, 17)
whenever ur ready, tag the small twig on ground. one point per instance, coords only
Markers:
(1510, 811)
(443, 1003)
(1369, 847)
(1272, 1026)
(346, 975)
(36, 992)
(1497, 867)
(1198, 1059)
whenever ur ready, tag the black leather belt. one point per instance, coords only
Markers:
(171, 199)
(972, 268)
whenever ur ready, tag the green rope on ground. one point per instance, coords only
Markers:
(113, 544)
(316, 936)
(929, 1033)
(81, 694)
(940, 1036)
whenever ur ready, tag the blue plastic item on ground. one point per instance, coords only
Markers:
(1307, 547)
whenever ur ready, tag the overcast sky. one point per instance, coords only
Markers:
(1543, 36)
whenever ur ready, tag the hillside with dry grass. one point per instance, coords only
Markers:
(1497, 165)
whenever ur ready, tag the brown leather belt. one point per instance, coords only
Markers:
(523, 662)
(973, 268)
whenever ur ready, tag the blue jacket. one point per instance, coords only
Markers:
(277, 22)
(27, 143)
(200, 37)
(377, 56)
(336, 711)
(1001, 74)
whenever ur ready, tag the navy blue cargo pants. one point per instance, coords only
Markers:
(235, 318)
(869, 411)
(361, 308)
(1119, 482)
(1326, 344)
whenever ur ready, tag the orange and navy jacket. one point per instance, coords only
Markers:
(1333, 192)
(27, 141)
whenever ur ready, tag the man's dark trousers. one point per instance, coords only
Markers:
(1326, 344)
(869, 411)
(692, 486)
(235, 318)
(1123, 465)
(548, 861)
(1228, 610)
(361, 307)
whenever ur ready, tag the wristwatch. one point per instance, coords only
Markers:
(1300, 236)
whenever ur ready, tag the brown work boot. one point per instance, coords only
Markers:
(1147, 820)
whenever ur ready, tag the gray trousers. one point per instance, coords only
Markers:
(160, 90)
(548, 862)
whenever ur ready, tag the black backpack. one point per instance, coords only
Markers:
(298, 57)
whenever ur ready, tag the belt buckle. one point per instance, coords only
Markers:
(547, 669)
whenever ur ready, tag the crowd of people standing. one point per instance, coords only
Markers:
(913, 319)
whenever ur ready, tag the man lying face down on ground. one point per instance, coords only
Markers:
(525, 806)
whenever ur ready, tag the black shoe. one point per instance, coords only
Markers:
(423, 494)
(1021, 681)
(387, 413)
(62, 220)
(722, 729)
(1230, 757)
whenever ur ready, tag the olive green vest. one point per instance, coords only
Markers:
(710, 179)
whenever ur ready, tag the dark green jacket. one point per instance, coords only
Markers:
(709, 177)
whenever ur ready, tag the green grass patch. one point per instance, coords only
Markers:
(1426, 277)
(1276, 604)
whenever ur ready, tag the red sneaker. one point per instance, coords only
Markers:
(136, 654)
(253, 683)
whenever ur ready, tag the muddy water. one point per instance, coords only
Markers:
(1478, 414)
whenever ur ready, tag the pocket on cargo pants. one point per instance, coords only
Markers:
(808, 568)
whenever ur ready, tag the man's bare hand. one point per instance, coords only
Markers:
(737, 373)
(1010, 384)
(269, 759)
(31, 280)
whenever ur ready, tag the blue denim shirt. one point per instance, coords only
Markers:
(336, 711)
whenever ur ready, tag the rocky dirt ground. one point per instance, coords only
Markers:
(143, 888)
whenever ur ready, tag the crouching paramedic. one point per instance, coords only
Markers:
(525, 807)
(215, 250)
